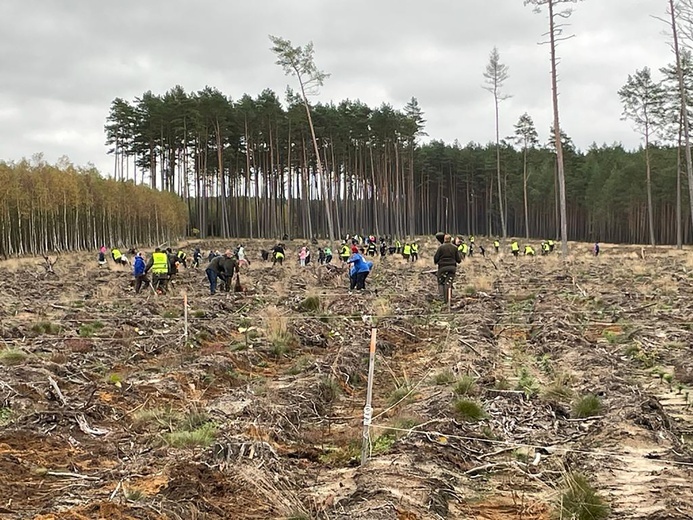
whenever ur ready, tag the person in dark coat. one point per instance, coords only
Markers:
(214, 269)
(197, 256)
(446, 258)
(221, 267)
(229, 267)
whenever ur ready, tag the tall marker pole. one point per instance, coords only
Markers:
(368, 410)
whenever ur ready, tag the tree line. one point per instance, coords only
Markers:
(247, 168)
(61, 207)
(258, 167)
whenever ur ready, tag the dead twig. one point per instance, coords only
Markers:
(115, 491)
(487, 467)
(57, 391)
(84, 426)
(67, 474)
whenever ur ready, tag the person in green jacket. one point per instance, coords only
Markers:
(406, 251)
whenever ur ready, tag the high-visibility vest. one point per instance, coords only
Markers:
(551, 242)
(116, 254)
(496, 243)
(182, 255)
(529, 250)
(160, 263)
(463, 248)
(345, 251)
(414, 248)
(514, 247)
(407, 249)
(471, 239)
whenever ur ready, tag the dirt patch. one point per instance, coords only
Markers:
(111, 406)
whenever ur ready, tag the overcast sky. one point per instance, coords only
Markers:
(62, 62)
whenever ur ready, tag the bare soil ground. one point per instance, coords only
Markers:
(107, 411)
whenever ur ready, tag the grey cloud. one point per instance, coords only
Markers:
(64, 61)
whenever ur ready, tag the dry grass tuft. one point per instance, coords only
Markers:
(483, 282)
(552, 260)
(381, 307)
(581, 501)
(12, 357)
(276, 327)
(639, 268)
(107, 290)
(13, 264)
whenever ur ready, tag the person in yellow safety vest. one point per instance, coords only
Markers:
(159, 265)
(406, 251)
(551, 244)
(514, 248)
(182, 258)
(463, 248)
(471, 239)
(278, 253)
(529, 250)
(414, 252)
(398, 246)
(496, 244)
(344, 253)
(544, 248)
(118, 256)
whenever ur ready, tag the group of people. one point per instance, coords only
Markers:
(547, 246)
(116, 255)
(353, 252)
(353, 256)
(163, 264)
(384, 245)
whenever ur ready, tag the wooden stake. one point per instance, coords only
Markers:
(368, 410)
(449, 298)
(185, 316)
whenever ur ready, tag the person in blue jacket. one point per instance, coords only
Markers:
(359, 270)
(138, 271)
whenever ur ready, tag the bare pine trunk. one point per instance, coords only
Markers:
(557, 134)
(679, 217)
(684, 106)
(498, 173)
(524, 189)
(320, 172)
(650, 214)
